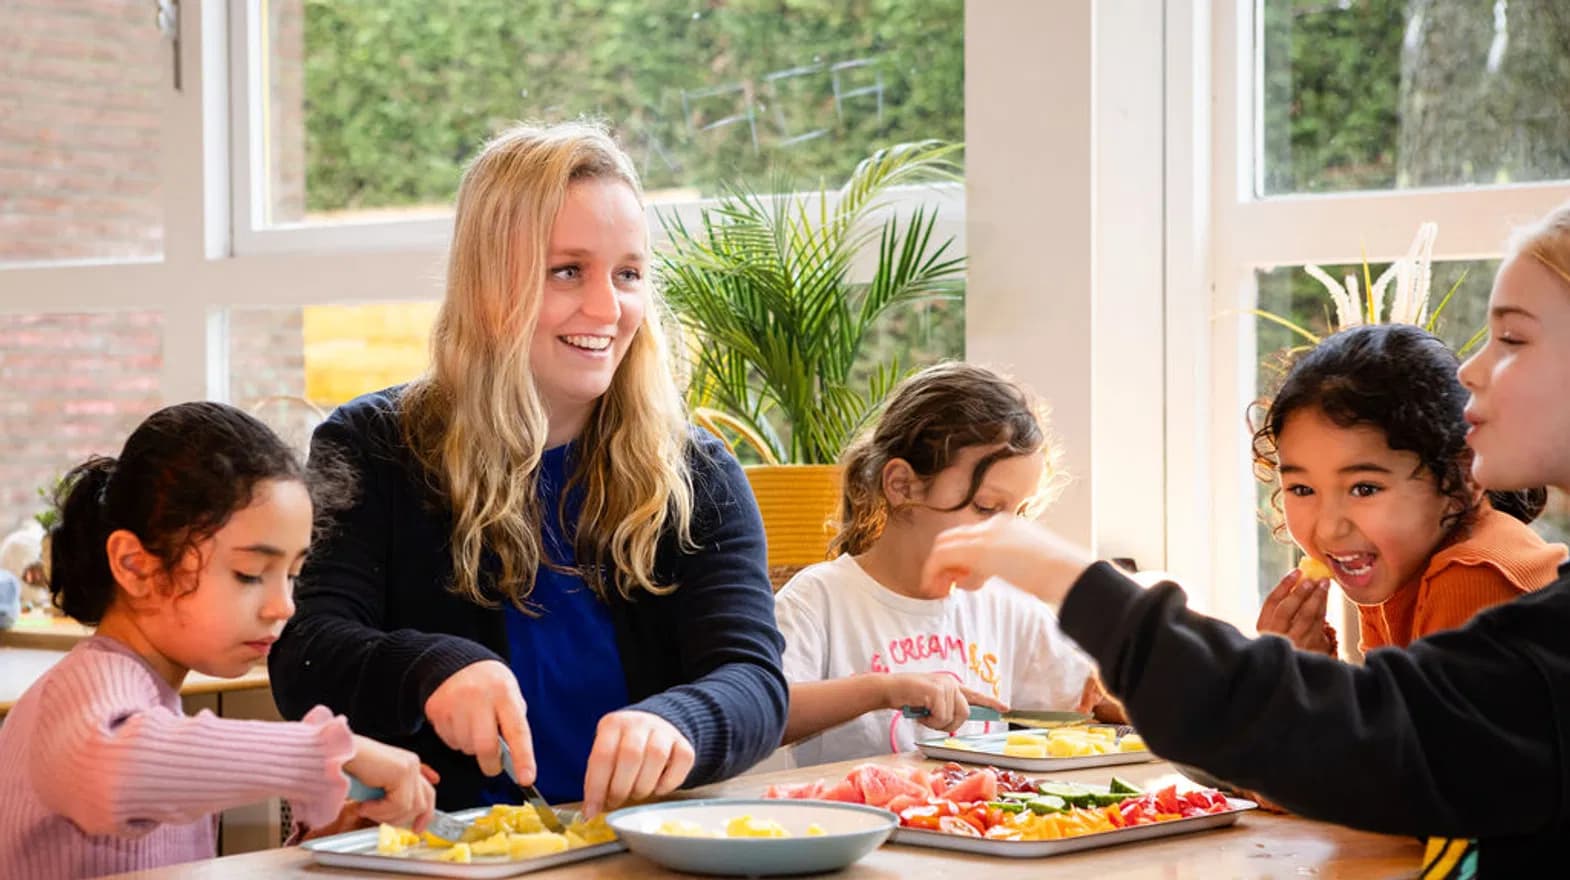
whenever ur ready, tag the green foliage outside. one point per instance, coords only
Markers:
(400, 93)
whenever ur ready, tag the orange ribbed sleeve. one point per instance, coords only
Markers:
(1455, 595)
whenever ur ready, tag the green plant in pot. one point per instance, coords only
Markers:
(778, 317)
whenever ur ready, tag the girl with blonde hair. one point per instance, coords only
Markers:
(544, 554)
(1419, 740)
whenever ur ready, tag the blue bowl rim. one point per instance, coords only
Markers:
(892, 820)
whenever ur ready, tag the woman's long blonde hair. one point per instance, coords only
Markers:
(475, 420)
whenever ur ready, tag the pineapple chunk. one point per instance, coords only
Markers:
(1037, 749)
(1313, 569)
(495, 845)
(1132, 743)
(746, 826)
(458, 853)
(682, 828)
(391, 841)
(534, 845)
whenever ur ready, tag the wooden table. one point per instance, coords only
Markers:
(20, 667)
(38, 630)
(1260, 845)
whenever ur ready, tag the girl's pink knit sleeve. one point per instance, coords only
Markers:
(114, 760)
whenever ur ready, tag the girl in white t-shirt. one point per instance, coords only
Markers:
(955, 444)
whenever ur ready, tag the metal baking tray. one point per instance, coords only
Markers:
(987, 749)
(1033, 849)
(357, 849)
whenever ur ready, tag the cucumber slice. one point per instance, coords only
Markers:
(1123, 786)
(1074, 795)
(1045, 804)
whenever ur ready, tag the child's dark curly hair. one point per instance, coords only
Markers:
(183, 472)
(1401, 380)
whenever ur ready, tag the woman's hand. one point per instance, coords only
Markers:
(473, 706)
(1017, 550)
(635, 755)
(1296, 609)
(410, 798)
(947, 704)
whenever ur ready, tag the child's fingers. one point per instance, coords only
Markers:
(977, 698)
(1309, 622)
(958, 710)
(1267, 610)
(1291, 605)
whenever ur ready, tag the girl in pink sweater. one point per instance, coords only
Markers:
(184, 553)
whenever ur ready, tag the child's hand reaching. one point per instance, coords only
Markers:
(1017, 550)
(1296, 609)
(947, 703)
(410, 798)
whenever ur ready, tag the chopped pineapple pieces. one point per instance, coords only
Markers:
(739, 826)
(509, 832)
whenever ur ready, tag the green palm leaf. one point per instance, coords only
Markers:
(764, 285)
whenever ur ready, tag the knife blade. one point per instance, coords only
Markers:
(531, 794)
(1022, 717)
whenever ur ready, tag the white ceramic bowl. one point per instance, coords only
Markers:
(850, 831)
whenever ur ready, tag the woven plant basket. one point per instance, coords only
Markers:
(798, 503)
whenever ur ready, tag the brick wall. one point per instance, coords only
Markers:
(70, 386)
(78, 180)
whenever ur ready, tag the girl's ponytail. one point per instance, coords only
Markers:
(79, 578)
(1523, 504)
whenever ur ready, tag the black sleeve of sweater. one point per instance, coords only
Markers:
(336, 650)
(1462, 734)
(732, 709)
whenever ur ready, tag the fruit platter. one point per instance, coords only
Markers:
(1043, 751)
(997, 811)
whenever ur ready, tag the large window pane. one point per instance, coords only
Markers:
(70, 386)
(292, 365)
(373, 107)
(1396, 94)
(79, 131)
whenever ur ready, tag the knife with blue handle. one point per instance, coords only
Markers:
(444, 825)
(1025, 717)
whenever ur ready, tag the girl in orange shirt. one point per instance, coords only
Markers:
(1368, 442)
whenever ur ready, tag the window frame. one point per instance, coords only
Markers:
(1245, 233)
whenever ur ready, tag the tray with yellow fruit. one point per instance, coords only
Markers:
(501, 841)
(1060, 748)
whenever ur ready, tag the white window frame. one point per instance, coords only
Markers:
(1063, 292)
(1230, 233)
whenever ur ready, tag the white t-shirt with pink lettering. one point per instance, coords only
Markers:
(838, 621)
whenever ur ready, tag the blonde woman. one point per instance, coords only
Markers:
(543, 552)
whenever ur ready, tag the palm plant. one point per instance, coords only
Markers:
(1408, 305)
(763, 284)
